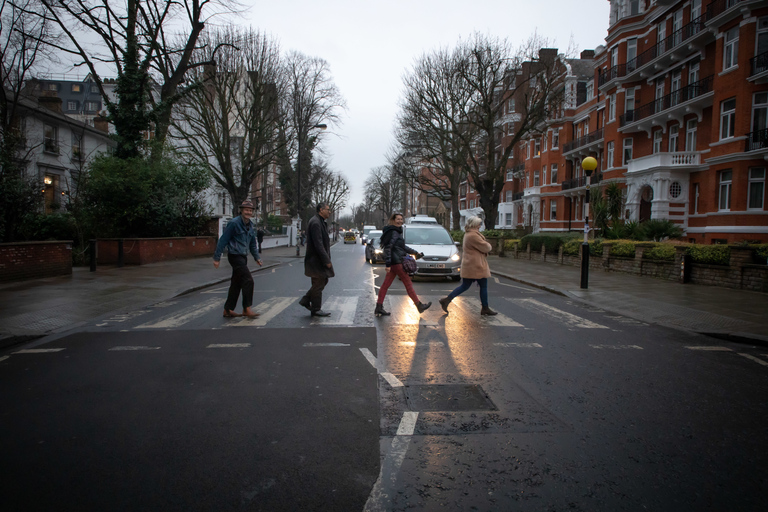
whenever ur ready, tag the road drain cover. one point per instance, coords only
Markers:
(448, 397)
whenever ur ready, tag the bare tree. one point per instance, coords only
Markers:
(231, 124)
(137, 42)
(312, 101)
(493, 73)
(385, 187)
(329, 187)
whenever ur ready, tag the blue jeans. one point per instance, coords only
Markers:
(464, 286)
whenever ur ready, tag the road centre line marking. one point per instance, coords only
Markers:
(326, 345)
(562, 316)
(4, 358)
(133, 348)
(618, 347)
(755, 359)
(391, 379)
(710, 349)
(520, 345)
(37, 350)
(513, 286)
(229, 345)
(390, 466)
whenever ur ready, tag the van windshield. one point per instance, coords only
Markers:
(415, 235)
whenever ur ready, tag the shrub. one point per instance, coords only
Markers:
(659, 229)
(54, 226)
(710, 254)
(458, 236)
(596, 247)
(572, 247)
(660, 252)
(761, 253)
(623, 248)
(551, 241)
(509, 245)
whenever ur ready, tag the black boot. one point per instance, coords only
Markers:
(488, 311)
(444, 303)
(379, 311)
(423, 307)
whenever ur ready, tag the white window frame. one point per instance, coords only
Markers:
(756, 181)
(691, 127)
(725, 180)
(50, 138)
(695, 9)
(508, 196)
(612, 107)
(556, 138)
(510, 105)
(508, 219)
(658, 138)
(731, 48)
(552, 209)
(536, 179)
(631, 53)
(674, 138)
(609, 154)
(727, 118)
(553, 174)
(626, 155)
(536, 147)
(629, 99)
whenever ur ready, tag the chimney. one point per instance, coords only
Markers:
(547, 55)
(101, 124)
(588, 54)
(50, 100)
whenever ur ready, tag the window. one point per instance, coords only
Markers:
(612, 107)
(756, 192)
(673, 136)
(677, 24)
(760, 114)
(627, 151)
(50, 139)
(508, 196)
(724, 200)
(661, 32)
(674, 88)
(727, 118)
(544, 175)
(553, 178)
(508, 219)
(77, 146)
(536, 148)
(631, 54)
(91, 106)
(657, 137)
(544, 141)
(762, 37)
(731, 48)
(51, 87)
(695, 9)
(510, 105)
(71, 106)
(614, 56)
(77, 87)
(629, 104)
(659, 95)
(693, 73)
(536, 181)
(675, 189)
(552, 210)
(609, 155)
(510, 175)
(634, 7)
(471, 203)
(527, 150)
(556, 139)
(590, 91)
(690, 135)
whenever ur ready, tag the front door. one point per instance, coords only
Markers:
(646, 196)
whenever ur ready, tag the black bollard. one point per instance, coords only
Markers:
(92, 250)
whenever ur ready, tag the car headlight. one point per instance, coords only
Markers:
(455, 257)
(378, 251)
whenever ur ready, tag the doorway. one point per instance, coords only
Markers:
(646, 197)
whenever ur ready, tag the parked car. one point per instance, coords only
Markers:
(366, 230)
(349, 236)
(441, 254)
(373, 254)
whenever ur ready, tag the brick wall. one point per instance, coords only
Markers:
(141, 251)
(29, 260)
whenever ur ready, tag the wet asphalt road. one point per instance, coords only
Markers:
(551, 405)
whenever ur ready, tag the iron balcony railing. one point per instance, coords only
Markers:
(672, 99)
(757, 140)
(758, 64)
(582, 181)
(583, 141)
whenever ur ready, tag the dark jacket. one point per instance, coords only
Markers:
(318, 249)
(238, 238)
(393, 245)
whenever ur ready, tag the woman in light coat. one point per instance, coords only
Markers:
(474, 266)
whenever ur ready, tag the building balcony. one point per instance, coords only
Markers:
(693, 98)
(759, 68)
(757, 140)
(688, 160)
(581, 181)
(517, 196)
(586, 142)
(532, 191)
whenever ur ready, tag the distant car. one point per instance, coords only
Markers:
(349, 236)
(441, 256)
(373, 253)
(366, 229)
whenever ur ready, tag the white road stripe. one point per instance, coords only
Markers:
(229, 345)
(4, 358)
(710, 349)
(391, 379)
(378, 500)
(37, 350)
(342, 311)
(133, 348)
(472, 306)
(529, 289)
(422, 344)
(326, 345)
(519, 345)
(568, 319)
(755, 359)
(181, 318)
(618, 347)
(404, 312)
(267, 310)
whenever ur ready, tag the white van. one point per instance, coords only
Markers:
(420, 218)
(366, 230)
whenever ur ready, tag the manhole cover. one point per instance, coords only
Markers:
(449, 397)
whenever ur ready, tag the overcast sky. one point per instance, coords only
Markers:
(370, 44)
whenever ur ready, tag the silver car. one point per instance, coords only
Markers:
(441, 256)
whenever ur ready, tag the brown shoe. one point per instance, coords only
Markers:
(248, 312)
(228, 313)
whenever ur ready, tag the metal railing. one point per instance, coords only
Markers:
(670, 100)
(758, 64)
(757, 140)
(581, 181)
(583, 141)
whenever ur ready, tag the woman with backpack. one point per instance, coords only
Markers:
(393, 245)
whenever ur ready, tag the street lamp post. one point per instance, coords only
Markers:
(298, 192)
(589, 164)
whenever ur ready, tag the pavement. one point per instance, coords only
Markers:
(34, 308)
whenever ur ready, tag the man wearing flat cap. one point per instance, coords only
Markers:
(239, 238)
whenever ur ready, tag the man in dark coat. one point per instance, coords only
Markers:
(317, 262)
(260, 237)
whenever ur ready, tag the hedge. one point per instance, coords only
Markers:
(551, 241)
(660, 252)
(709, 254)
(623, 248)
